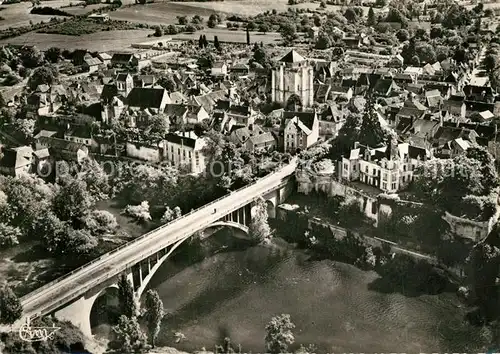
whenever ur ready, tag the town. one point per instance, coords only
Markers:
(343, 155)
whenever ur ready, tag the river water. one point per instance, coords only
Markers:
(332, 305)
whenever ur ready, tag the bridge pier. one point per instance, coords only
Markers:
(78, 313)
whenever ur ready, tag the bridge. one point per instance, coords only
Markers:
(72, 296)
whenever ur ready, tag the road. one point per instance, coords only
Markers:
(53, 295)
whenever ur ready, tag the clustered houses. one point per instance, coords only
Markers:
(437, 109)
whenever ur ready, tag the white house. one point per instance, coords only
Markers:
(301, 130)
(219, 69)
(389, 168)
(184, 149)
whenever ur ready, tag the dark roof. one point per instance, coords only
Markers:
(382, 86)
(181, 140)
(60, 144)
(307, 118)
(121, 77)
(145, 97)
(122, 57)
(292, 57)
(108, 92)
(477, 90)
(416, 152)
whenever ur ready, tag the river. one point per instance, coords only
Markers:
(332, 305)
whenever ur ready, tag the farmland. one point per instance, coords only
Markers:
(100, 41)
(225, 35)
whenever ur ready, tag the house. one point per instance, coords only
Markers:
(456, 106)
(261, 142)
(384, 87)
(240, 69)
(40, 134)
(145, 151)
(300, 130)
(148, 98)
(389, 168)
(147, 81)
(124, 59)
(91, 64)
(331, 120)
(242, 114)
(208, 101)
(352, 42)
(186, 114)
(16, 161)
(105, 58)
(81, 135)
(219, 69)
(341, 93)
(484, 116)
(61, 149)
(433, 99)
(48, 99)
(184, 149)
(78, 56)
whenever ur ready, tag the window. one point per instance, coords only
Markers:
(404, 168)
(374, 172)
(172, 148)
(346, 166)
(179, 151)
(354, 167)
(393, 185)
(197, 157)
(384, 185)
(184, 154)
(404, 179)
(366, 169)
(190, 155)
(384, 177)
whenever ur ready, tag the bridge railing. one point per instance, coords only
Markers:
(144, 236)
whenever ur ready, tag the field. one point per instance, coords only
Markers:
(80, 10)
(231, 36)
(167, 12)
(101, 41)
(17, 15)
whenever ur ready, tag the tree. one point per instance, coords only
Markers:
(126, 298)
(42, 75)
(78, 242)
(196, 20)
(182, 20)
(216, 43)
(101, 222)
(288, 32)
(139, 212)
(96, 179)
(31, 56)
(129, 336)
(371, 132)
(53, 54)
(200, 44)
(248, 36)
(351, 15)
(158, 126)
(322, 5)
(10, 307)
(251, 26)
(259, 229)
(154, 314)
(9, 235)
(490, 62)
(158, 31)
(279, 334)
(402, 35)
(371, 21)
(51, 230)
(323, 41)
(264, 28)
(26, 127)
(212, 21)
(381, 3)
(73, 201)
(260, 56)
(170, 214)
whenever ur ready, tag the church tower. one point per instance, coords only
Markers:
(293, 79)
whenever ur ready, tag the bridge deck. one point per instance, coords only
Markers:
(52, 296)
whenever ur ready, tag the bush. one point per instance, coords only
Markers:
(49, 11)
(139, 212)
(101, 222)
(9, 235)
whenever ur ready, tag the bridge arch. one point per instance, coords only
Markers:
(154, 269)
(106, 300)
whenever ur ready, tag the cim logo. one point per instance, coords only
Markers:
(36, 334)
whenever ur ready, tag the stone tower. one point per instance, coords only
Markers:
(293, 77)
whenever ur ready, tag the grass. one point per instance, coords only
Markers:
(225, 35)
(81, 10)
(100, 41)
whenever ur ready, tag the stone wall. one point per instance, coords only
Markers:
(469, 229)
